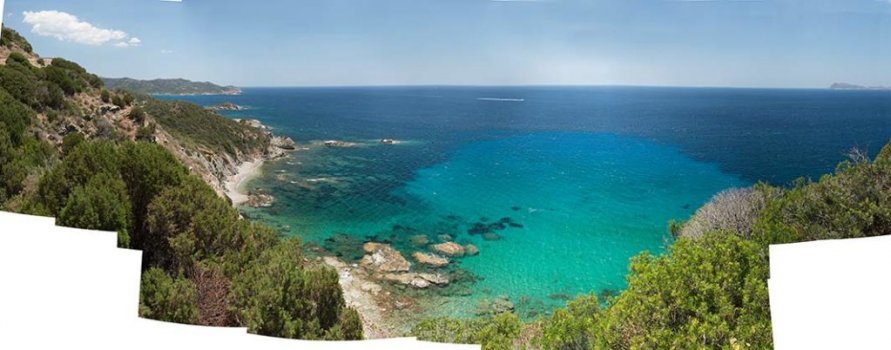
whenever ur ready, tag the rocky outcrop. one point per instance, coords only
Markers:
(430, 259)
(383, 258)
(449, 248)
(226, 106)
(417, 280)
(260, 200)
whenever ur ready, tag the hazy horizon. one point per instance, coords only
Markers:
(340, 43)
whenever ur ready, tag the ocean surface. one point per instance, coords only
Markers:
(557, 186)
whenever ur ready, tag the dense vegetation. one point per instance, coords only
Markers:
(204, 129)
(202, 263)
(169, 86)
(709, 289)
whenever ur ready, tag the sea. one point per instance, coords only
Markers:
(558, 187)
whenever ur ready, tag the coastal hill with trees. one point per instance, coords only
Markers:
(109, 159)
(170, 87)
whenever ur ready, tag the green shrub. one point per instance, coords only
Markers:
(277, 295)
(164, 298)
(10, 37)
(495, 332)
(576, 327)
(100, 204)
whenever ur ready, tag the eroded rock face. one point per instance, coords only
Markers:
(417, 280)
(383, 258)
(430, 259)
(449, 248)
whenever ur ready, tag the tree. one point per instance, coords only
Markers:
(100, 204)
(78, 166)
(147, 169)
(164, 298)
(278, 296)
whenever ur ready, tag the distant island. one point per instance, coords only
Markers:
(170, 87)
(847, 86)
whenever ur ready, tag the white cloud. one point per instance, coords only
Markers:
(67, 27)
(134, 41)
(165, 51)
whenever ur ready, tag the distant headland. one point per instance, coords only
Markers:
(848, 86)
(170, 87)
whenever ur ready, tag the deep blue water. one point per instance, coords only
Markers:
(588, 175)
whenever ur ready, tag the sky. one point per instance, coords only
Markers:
(735, 43)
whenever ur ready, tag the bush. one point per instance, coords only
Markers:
(10, 37)
(137, 115)
(167, 299)
(100, 204)
(496, 332)
(733, 210)
(704, 293)
(277, 295)
(576, 327)
(854, 202)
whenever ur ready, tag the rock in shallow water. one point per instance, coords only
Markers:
(430, 259)
(471, 250)
(383, 258)
(417, 280)
(449, 248)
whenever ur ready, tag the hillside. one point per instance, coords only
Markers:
(170, 87)
(67, 99)
(150, 170)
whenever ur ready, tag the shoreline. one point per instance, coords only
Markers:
(234, 184)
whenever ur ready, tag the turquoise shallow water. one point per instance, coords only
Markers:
(581, 205)
(573, 180)
(587, 202)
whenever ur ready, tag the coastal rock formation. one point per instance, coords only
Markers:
(430, 259)
(226, 106)
(260, 200)
(449, 248)
(338, 144)
(417, 280)
(471, 249)
(383, 258)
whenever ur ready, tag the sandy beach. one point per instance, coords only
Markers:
(235, 184)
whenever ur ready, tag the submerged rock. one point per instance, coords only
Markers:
(430, 259)
(449, 248)
(499, 305)
(383, 258)
(471, 249)
(419, 240)
(491, 236)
